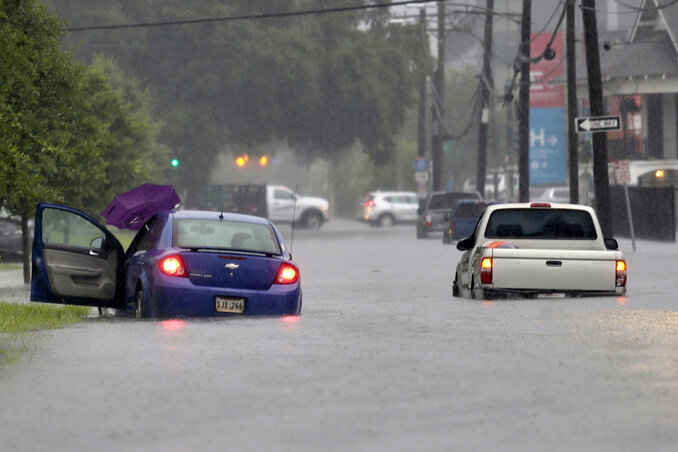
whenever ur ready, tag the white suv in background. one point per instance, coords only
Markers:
(385, 208)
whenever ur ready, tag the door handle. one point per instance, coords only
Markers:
(554, 263)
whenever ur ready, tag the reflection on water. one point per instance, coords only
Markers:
(173, 324)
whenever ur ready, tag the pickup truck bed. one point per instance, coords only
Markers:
(562, 270)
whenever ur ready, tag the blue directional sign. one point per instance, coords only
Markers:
(420, 164)
(548, 146)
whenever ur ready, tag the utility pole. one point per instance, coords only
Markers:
(438, 107)
(486, 87)
(524, 101)
(572, 154)
(601, 181)
(421, 124)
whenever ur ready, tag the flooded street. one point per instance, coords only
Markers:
(382, 358)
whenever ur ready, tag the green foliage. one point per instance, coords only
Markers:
(319, 82)
(21, 318)
(460, 98)
(18, 321)
(67, 133)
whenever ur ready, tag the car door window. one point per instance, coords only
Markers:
(283, 194)
(154, 230)
(64, 228)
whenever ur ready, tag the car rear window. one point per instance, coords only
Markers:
(541, 224)
(448, 200)
(235, 235)
(469, 210)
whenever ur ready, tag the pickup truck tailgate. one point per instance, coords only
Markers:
(578, 270)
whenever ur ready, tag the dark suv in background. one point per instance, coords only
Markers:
(431, 216)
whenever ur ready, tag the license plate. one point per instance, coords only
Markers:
(551, 295)
(229, 304)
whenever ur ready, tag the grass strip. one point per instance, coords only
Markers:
(18, 322)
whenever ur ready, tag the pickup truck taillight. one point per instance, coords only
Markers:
(486, 270)
(621, 274)
(428, 221)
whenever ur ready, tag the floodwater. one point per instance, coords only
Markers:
(381, 359)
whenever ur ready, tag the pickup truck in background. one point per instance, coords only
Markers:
(431, 215)
(539, 250)
(275, 202)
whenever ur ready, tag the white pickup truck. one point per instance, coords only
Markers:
(539, 250)
(284, 205)
(275, 202)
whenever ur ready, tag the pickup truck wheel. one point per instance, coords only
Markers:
(455, 286)
(313, 220)
(473, 289)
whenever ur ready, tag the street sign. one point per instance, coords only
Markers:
(421, 164)
(621, 172)
(598, 124)
(421, 176)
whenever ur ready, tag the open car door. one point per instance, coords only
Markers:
(75, 259)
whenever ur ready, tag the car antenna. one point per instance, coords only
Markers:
(294, 214)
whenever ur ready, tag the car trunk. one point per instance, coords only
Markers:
(248, 272)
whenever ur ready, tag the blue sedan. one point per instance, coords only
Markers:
(180, 263)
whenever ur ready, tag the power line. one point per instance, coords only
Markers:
(652, 8)
(249, 16)
(268, 15)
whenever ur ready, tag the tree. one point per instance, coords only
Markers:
(65, 133)
(320, 82)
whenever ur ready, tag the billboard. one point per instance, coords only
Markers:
(548, 149)
(548, 136)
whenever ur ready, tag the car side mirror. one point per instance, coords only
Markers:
(97, 243)
(419, 210)
(611, 244)
(465, 244)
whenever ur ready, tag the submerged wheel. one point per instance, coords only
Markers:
(139, 304)
(386, 221)
(313, 220)
(455, 286)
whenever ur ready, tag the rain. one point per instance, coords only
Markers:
(356, 112)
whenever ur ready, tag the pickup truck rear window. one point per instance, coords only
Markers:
(541, 224)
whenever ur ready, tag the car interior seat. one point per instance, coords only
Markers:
(238, 239)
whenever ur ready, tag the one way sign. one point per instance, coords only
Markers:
(598, 124)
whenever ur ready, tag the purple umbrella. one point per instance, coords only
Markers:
(131, 209)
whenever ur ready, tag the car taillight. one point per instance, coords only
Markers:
(287, 274)
(173, 266)
(540, 204)
(453, 229)
(427, 218)
(369, 203)
(486, 270)
(620, 280)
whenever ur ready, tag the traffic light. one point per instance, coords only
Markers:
(242, 160)
(174, 162)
